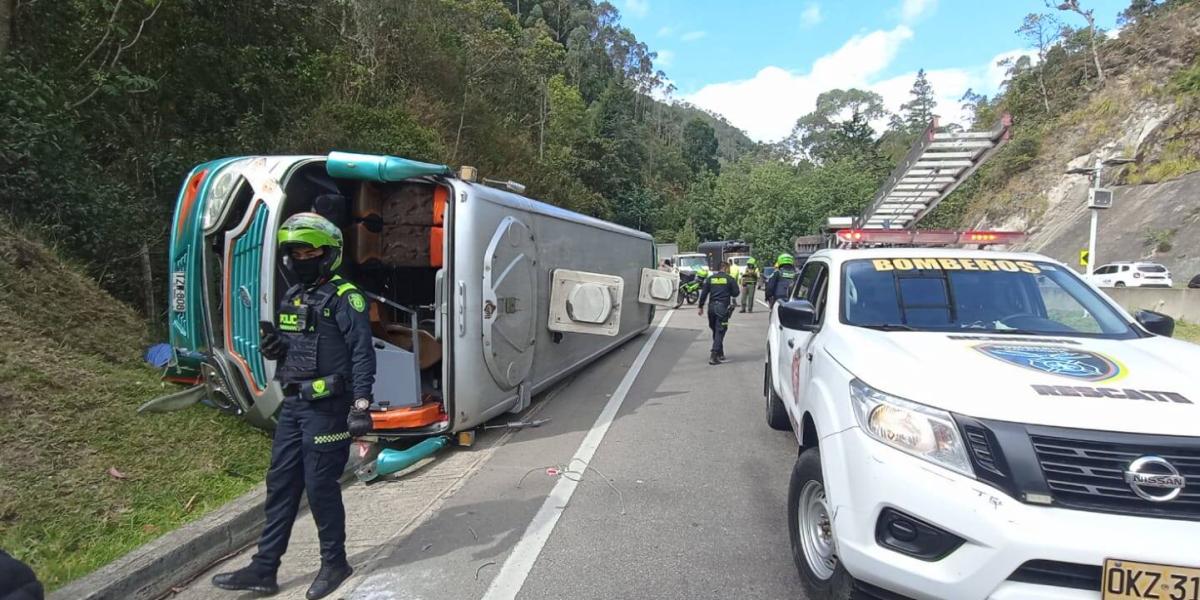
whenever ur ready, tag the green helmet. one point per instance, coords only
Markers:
(310, 230)
(751, 261)
(785, 259)
(702, 272)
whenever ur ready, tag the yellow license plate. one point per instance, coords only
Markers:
(1128, 580)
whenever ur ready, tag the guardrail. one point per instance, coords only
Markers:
(1180, 303)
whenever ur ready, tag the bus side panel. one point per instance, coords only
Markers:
(560, 244)
(563, 244)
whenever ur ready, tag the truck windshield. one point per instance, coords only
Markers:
(983, 295)
(691, 262)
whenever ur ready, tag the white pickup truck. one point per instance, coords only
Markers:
(983, 425)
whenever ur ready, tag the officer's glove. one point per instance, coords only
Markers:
(359, 422)
(272, 346)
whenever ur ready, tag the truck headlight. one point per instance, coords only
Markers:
(224, 184)
(919, 430)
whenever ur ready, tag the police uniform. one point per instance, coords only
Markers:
(325, 364)
(749, 281)
(720, 291)
(779, 285)
(330, 361)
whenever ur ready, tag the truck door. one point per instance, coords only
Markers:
(792, 365)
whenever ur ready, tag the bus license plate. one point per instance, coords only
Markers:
(1128, 580)
(179, 291)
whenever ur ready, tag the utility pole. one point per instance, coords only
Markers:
(1094, 208)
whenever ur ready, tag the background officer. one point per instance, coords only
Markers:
(779, 286)
(748, 277)
(722, 290)
(324, 359)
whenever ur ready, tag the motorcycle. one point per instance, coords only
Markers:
(689, 291)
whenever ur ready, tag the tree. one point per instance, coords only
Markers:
(1041, 31)
(918, 111)
(838, 118)
(700, 146)
(1089, 16)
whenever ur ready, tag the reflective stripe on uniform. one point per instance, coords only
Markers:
(330, 438)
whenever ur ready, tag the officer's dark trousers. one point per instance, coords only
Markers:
(718, 325)
(308, 455)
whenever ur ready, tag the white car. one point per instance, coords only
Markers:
(983, 425)
(1132, 274)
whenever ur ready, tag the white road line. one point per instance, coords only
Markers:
(512, 575)
(764, 304)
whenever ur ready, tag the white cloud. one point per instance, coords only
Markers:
(911, 10)
(637, 8)
(665, 58)
(811, 15)
(665, 31)
(692, 36)
(767, 105)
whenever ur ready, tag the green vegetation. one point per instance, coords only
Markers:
(83, 478)
(1188, 332)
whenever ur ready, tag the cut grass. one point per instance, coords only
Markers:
(83, 478)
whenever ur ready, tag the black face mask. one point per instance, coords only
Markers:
(307, 270)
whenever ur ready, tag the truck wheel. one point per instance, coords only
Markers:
(776, 413)
(810, 527)
(1120, 284)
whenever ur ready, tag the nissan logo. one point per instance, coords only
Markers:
(1154, 479)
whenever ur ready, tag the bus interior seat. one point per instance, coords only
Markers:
(400, 335)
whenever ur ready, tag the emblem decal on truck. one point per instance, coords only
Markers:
(1056, 360)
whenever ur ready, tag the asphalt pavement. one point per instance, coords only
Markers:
(656, 477)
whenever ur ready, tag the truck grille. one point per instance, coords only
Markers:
(1090, 475)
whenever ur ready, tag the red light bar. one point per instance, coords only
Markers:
(992, 237)
(936, 237)
(928, 238)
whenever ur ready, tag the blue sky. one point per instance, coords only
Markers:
(762, 63)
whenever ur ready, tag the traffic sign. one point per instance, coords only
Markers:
(1084, 257)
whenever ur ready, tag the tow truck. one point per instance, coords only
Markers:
(980, 424)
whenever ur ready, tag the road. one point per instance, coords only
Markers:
(682, 494)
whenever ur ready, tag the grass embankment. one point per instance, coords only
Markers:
(83, 478)
(1188, 332)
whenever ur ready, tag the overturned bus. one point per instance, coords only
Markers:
(481, 297)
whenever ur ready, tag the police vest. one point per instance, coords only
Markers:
(305, 318)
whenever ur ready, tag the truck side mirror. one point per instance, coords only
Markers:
(799, 315)
(1156, 322)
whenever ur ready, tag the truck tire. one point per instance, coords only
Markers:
(810, 527)
(776, 413)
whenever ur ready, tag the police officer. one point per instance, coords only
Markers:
(779, 285)
(721, 288)
(325, 359)
(749, 280)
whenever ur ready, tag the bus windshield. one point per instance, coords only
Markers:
(983, 295)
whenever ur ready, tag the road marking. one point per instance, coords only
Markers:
(512, 575)
(764, 304)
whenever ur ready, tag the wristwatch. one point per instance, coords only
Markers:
(362, 404)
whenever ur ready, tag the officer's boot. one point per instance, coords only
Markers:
(328, 579)
(247, 579)
(721, 356)
(712, 359)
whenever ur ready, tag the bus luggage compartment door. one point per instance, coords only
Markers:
(509, 302)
